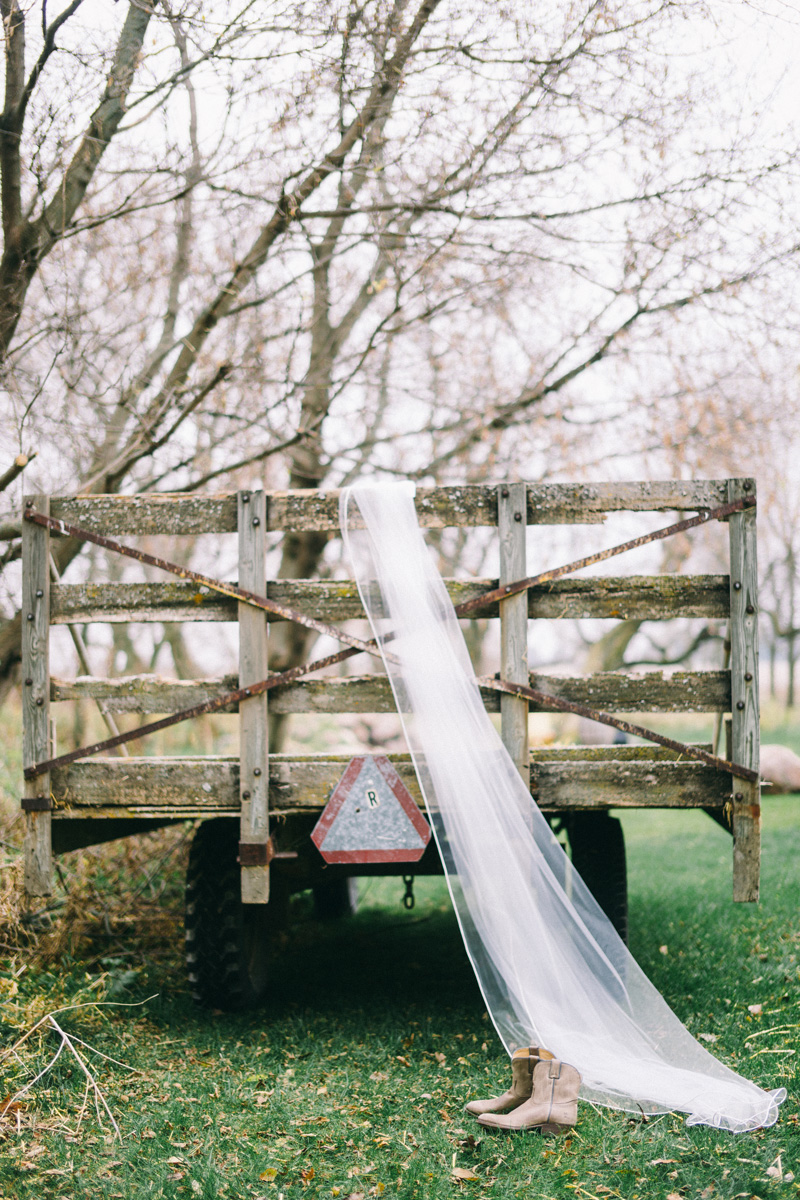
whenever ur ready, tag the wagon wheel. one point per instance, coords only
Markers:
(597, 844)
(227, 942)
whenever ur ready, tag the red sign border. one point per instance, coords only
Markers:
(340, 794)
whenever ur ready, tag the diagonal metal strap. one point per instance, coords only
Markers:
(521, 585)
(216, 585)
(544, 700)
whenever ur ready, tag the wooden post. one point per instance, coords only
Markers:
(512, 523)
(253, 733)
(36, 698)
(744, 693)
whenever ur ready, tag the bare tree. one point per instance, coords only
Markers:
(302, 239)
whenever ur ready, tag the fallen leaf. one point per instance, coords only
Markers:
(147, 1133)
(176, 1162)
(307, 1174)
(463, 1173)
(356, 1196)
(663, 949)
(270, 1173)
(9, 1106)
(674, 1196)
(403, 1060)
(657, 1162)
(708, 1037)
(755, 1009)
(440, 1058)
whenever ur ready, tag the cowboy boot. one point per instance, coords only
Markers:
(522, 1063)
(553, 1104)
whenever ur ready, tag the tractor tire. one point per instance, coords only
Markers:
(227, 942)
(597, 846)
(335, 900)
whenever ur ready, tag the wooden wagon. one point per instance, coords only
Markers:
(253, 846)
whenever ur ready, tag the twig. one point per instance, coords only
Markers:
(17, 467)
(99, 1098)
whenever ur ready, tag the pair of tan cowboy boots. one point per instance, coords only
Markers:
(543, 1095)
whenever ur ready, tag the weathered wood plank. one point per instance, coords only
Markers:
(38, 858)
(613, 691)
(253, 732)
(511, 528)
(118, 603)
(629, 784)
(744, 691)
(585, 777)
(624, 597)
(152, 513)
(471, 505)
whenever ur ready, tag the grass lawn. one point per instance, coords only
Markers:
(351, 1082)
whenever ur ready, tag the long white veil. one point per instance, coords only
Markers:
(550, 965)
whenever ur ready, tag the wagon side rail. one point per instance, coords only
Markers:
(140, 791)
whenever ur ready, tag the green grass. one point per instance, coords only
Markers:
(352, 1080)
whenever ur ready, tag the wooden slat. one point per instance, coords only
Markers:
(613, 691)
(154, 513)
(253, 734)
(511, 513)
(625, 784)
(585, 777)
(652, 597)
(744, 691)
(472, 505)
(36, 695)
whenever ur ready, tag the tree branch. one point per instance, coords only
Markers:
(28, 243)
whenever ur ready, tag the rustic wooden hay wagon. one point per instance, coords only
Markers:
(253, 847)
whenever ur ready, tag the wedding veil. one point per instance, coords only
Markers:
(550, 965)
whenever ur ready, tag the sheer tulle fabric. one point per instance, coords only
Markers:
(550, 965)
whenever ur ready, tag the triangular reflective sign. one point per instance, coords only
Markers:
(371, 817)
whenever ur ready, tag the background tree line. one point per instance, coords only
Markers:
(295, 241)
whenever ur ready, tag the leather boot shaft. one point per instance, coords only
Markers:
(553, 1104)
(523, 1062)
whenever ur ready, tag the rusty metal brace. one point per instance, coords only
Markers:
(356, 645)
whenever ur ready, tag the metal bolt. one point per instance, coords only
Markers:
(739, 796)
(30, 616)
(257, 770)
(245, 795)
(740, 704)
(737, 587)
(517, 516)
(504, 493)
(748, 676)
(39, 593)
(29, 682)
(749, 608)
(256, 520)
(247, 691)
(747, 485)
(245, 498)
(29, 504)
(39, 702)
